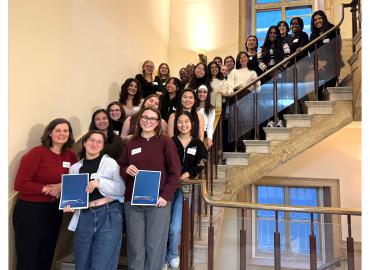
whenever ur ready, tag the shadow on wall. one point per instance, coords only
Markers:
(113, 93)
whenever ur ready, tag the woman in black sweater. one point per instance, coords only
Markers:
(193, 156)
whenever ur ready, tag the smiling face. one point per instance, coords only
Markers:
(183, 124)
(94, 145)
(149, 121)
(224, 70)
(272, 35)
(294, 26)
(318, 22)
(115, 112)
(187, 100)
(148, 67)
(202, 93)
(60, 134)
(184, 75)
(200, 71)
(283, 30)
(214, 69)
(229, 63)
(152, 102)
(132, 88)
(243, 60)
(251, 43)
(163, 70)
(101, 121)
(171, 86)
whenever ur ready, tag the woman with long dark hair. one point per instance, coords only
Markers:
(251, 46)
(116, 115)
(201, 77)
(273, 50)
(131, 96)
(193, 155)
(170, 99)
(188, 102)
(218, 82)
(319, 25)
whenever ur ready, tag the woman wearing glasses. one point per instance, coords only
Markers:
(147, 226)
(98, 229)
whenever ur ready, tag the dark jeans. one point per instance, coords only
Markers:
(36, 227)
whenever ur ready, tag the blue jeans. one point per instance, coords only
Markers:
(97, 239)
(174, 235)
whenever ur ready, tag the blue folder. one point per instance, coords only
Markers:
(74, 191)
(146, 188)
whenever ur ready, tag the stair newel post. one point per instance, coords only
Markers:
(276, 118)
(184, 249)
(210, 240)
(256, 124)
(313, 255)
(277, 254)
(295, 87)
(316, 72)
(236, 123)
(243, 243)
(200, 201)
(350, 246)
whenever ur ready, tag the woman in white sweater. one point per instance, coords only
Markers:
(208, 111)
(218, 82)
(241, 76)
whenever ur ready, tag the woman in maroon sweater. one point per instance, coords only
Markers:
(36, 217)
(147, 226)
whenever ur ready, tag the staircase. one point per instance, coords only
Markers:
(302, 131)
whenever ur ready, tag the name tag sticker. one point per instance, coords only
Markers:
(192, 151)
(136, 151)
(93, 176)
(155, 83)
(136, 109)
(326, 40)
(296, 40)
(66, 164)
(250, 58)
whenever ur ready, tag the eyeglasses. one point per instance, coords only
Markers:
(149, 119)
(95, 141)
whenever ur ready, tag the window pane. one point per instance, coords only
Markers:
(300, 226)
(303, 12)
(266, 219)
(264, 19)
(267, 1)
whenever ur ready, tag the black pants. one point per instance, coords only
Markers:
(36, 226)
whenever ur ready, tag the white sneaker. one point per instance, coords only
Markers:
(280, 123)
(270, 124)
(175, 262)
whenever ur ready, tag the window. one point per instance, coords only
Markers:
(294, 228)
(270, 12)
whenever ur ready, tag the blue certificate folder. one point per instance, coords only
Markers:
(74, 191)
(146, 188)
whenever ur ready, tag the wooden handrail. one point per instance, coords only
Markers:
(288, 59)
(256, 206)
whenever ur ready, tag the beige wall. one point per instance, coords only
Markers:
(337, 157)
(66, 58)
(211, 25)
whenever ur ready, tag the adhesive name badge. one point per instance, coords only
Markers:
(174, 108)
(271, 51)
(325, 40)
(192, 151)
(116, 132)
(66, 164)
(155, 83)
(250, 57)
(296, 40)
(136, 151)
(93, 176)
(136, 109)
